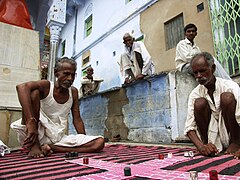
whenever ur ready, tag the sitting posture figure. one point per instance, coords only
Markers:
(135, 62)
(89, 84)
(213, 110)
(45, 110)
(187, 48)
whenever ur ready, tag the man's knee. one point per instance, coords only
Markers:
(200, 104)
(99, 144)
(227, 99)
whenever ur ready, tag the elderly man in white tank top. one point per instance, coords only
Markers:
(46, 107)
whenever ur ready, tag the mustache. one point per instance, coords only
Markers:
(201, 79)
(67, 82)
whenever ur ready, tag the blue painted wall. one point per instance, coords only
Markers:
(152, 110)
(146, 112)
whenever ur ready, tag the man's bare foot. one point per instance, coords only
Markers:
(46, 150)
(232, 148)
(35, 151)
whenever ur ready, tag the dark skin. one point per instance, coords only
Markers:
(190, 34)
(202, 112)
(128, 41)
(31, 93)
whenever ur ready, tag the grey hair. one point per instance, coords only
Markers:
(60, 61)
(127, 35)
(206, 55)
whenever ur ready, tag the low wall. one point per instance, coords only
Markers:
(152, 110)
(7, 116)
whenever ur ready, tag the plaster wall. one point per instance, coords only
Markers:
(150, 111)
(67, 35)
(105, 42)
(152, 25)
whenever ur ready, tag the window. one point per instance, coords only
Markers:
(88, 26)
(174, 31)
(63, 44)
(200, 7)
(86, 58)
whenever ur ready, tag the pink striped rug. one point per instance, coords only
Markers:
(110, 163)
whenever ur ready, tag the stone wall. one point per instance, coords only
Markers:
(152, 110)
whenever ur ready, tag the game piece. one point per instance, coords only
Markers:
(85, 160)
(169, 155)
(75, 154)
(67, 155)
(193, 175)
(127, 171)
(161, 156)
(213, 175)
(191, 154)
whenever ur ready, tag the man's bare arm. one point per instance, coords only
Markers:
(30, 115)
(77, 120)
(24, 95)
(204, 149)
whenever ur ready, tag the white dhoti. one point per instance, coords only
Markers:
(63, 139)
(52, 124)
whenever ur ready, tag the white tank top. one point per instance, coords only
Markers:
(54, 116)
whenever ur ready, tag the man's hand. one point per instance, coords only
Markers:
(89, 92)
(208, 149)
(127, 81)
(32, 133)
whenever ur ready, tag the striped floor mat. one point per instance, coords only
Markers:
(224, 164)
(141, 158)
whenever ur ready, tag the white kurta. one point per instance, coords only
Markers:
(128, 60)
(88, 84)
(217, 133)
(52, 124)
(184, 53)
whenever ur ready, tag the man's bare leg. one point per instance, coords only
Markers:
(228, 106)
(35, 149)
(202, 115)
(95, 145)
(130, 73)
(139, 60)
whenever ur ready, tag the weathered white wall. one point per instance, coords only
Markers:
(105, 39)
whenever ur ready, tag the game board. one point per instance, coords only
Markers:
(109, 164)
